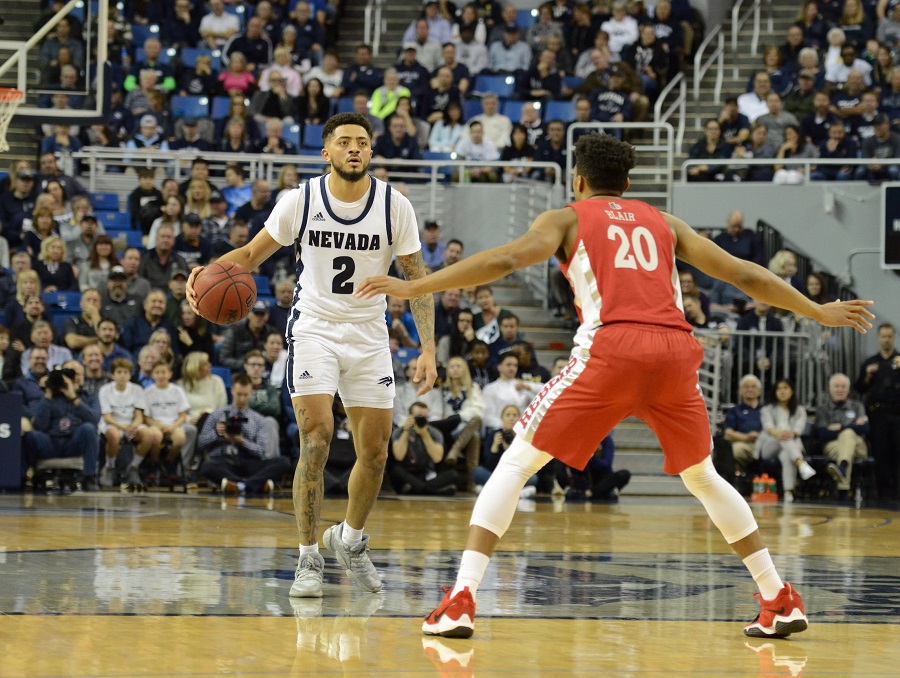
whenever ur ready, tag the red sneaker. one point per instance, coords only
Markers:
(454, 617)
(780, 617)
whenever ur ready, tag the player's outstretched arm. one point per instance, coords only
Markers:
(546, 236)
(422, 308)
(763, 285)
(250, 256)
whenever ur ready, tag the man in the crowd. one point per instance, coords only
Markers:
(453, 252)
(190, 244)
(80, 331)
(254, 44)
(107, 336)
(115, 301)
(245, 336)
(842, 424)
(739, 242)
(136, 285)
(159, 262)
(30, 384)
(136, 332)
(42, 337)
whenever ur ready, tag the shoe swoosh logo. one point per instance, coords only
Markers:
(781, 611)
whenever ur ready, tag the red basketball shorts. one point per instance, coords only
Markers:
(631, 370)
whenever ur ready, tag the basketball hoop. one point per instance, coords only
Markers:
(9, 101)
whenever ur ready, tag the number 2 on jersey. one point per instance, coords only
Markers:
(346, 267)
(641, 249)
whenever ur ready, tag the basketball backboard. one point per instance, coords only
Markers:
(22, 67)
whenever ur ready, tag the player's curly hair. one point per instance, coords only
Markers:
(604, 162)
(336, 121)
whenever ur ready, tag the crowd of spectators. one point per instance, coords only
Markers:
(830, 91)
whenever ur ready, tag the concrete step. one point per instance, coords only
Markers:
(639, 462)
(652, 485)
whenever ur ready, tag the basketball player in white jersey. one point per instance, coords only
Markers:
(347, 226)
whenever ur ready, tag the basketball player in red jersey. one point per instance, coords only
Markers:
(634, 355)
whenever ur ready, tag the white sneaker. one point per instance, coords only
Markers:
(528, 492)
(788, 497)
(806, 471)
(308, 578)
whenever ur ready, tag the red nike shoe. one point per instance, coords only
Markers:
(454, 617)
(780, 617)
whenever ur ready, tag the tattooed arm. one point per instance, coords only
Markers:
(422, 309)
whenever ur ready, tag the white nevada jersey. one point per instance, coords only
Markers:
(342, 244)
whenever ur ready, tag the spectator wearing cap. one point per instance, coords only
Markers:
(177, 293)
(193, 247)
(79, 249)
(246, 336)
(883, 144)
(148, 136)
(190, 138)
(136, 332)
(158, 263)
(509, 55)
(19, 201)
(115, 302)
(217, 225)
(432, 247)
(428, 50)
(412, 74)
(800, 102)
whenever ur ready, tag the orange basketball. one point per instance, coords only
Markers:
(225, 292)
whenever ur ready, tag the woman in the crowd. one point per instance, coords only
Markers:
(814, 27)
(415, 127)
(772, 65)
(461, 423)
(55, 273)
(883, 68)
(518, 149)
(198, 82)
(461, 336)
(817, 289)
(288, 179)
(447, 131)
(313, 107)
(236, 138)
(783, 421)
(756, 147)
(237, 80)
(205, 391)
(193, 333)
(709, 147)
(856, 24)
(794, 146)
(237, 108)
(172, 214)
(71, 229)
(43, 226)
(784, 265)
(102, 258)
(27, 285)
(198, 199)
(276, 356)
(62, 210)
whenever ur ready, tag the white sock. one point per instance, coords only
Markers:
(110, 462)
(350, 536)
(763, 571)
(309, 550)
(136, 460)
(471, 572)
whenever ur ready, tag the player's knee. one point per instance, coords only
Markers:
(699, 475)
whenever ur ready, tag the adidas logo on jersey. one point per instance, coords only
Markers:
(319, 217)
(305, 375)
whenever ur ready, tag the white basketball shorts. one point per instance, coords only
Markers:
(350, 358)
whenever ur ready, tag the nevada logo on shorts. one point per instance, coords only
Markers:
(386, 381)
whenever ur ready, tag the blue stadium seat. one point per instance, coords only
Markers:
(289, 133)
(197, 107)
(189, 56)
(239, 11)
(140, 33)
(526, 18)
(312, 136)
(118, 221)
(513, 110)
(263, 288)
(105, 202)
(62, 300)
(132, 238)
(573, 81)
(220, 106)
(165, 56)
(344, 105)
(561, 110)
(225, 374)
(471, 108)
(502, 85)
(438, 155)
(58, 318)
(404, 355)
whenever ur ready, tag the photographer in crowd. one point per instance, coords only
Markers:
(418, 448)
(234, 442)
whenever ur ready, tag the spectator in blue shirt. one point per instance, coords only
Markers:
(401, 323)
(742, 422)
(432, 247)
(738, 242)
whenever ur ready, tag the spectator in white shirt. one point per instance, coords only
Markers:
(836, 74)
(506, 390)
(497, 127)
(328, 73)
(218, 26)
(621, 28)
(476, 147)
(753, 104)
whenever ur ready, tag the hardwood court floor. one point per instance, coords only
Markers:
(174, 585)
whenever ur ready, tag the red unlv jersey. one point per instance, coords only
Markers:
(622, 268)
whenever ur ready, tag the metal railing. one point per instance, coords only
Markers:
(523, 211)
(374, 25)
(701, 67)
(662, 169)
(678, 106)
(806, 164)
(738, 20)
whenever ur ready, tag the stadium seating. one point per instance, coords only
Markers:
(263, 288)
(165, 56)
(502, 85)
(105, 202)
(117, 221)
(471, 108)
(140, 33)
(189, 56)
(312, 136)
(197, 107)
(344, 105)
(62, 300)
(526, 18)
(225, 374)
(291, 133)
(220, 106)
(560, 110)
(132, 238)
(404, 355)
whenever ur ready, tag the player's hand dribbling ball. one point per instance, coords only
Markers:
(225, 292)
